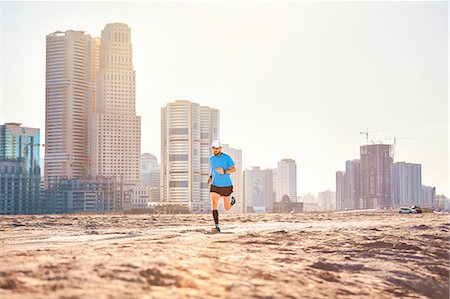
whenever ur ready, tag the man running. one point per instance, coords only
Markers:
(221, 167)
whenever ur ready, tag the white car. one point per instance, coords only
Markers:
(407, 210)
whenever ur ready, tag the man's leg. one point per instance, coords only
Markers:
(215, 206)
(227, 203)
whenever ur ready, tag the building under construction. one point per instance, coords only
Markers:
(375, 176)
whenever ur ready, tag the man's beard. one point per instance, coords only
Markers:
(218, 154)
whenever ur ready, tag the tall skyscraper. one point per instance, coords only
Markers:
(287, 180)
(406, 184)
(258, 190)
(20, 178)
(70, 93)
(187, 131)
(376, 161)
(116, 129)
(237, 178)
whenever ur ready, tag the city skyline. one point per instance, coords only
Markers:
(268, 79)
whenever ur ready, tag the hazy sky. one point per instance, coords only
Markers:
(296, 80)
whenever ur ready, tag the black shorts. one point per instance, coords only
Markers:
(223, 191)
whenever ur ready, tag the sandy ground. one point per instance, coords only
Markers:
(328, 255)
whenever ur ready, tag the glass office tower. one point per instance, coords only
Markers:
(19, 169)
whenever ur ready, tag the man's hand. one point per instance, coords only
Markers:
(209, 180)
(220, 170)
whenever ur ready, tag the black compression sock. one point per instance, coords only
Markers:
(216, 216)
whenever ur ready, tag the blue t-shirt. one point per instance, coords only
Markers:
(225, 162)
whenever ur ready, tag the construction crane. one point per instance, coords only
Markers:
(395, 144)
(367, 133)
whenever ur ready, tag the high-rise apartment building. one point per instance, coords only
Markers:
(406, 184)
(187, 131)
(348, 186)
(71, 66)
(352, 184)
(116, 129)
(428, 197)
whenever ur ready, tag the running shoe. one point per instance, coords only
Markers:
(216, 229)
